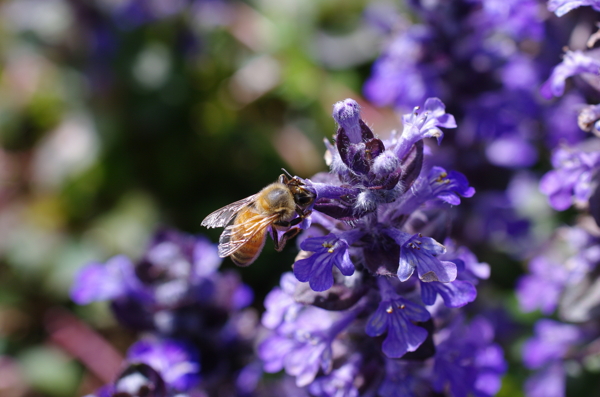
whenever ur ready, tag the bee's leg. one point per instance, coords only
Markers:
(288, 235)
(293, 222)
(280, 242)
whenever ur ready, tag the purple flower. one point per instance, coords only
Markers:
(327, 251)
(542, 288)
(176, 361)
(517, 18)
(449, 186)
(401, 381)
(511, 151)
(394, 316)
(423, 123)
(468, 266)
(303, 347)
(399, 77)
(467, 361)
(339, 383)
(561, 7)
(548, 382)
(280, 304)
(112, 280)
(503, 119)
(562, 120)
(455, 294)
(574, 63)
(571, 179)
(520, 73)
(551, 342)
(545, 351)
(361, 160)
(421, 253)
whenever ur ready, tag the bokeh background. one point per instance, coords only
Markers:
(118, 117)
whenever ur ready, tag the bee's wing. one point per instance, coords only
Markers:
(236, 235)
(223, 216)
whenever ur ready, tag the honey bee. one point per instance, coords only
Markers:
(248, 221)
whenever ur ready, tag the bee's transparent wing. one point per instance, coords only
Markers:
(236, 235)
(223, 216)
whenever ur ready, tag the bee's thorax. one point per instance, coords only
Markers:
(276, 198)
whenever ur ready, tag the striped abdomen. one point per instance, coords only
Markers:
(250, 250)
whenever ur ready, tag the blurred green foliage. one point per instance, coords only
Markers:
(113, 124)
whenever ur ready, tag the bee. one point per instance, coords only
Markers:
(272, 210)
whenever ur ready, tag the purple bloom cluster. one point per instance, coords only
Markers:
(196, 319)
(561, 7)
(562, 277)
(370, 308)
(474, 55)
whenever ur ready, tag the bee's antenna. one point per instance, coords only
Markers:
(290, 175)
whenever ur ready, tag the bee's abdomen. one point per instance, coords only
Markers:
(248, 252)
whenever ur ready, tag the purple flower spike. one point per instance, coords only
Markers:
(424, 123)
(549, 382)
(541, 288)
(339, 382)
(421, 253)
(551, 341)
(574, 62)
(109, 281)
(347, 114)
(448, 186)
(399, 380)
(304, 346)
(467, 362)
(571, 178)
(455, 294)
(399, 77)
(327, 251)
(561, 7)
(176, 361)
(280, 303)
(395, 316)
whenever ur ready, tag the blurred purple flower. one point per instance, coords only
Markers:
(551, 342)
(467, 361)
(561, 7)
(561, 119)
(573, 63)
(280, 304)
(542, 287)
(400, 78)
(339, 383)
(304, 346)
(550, 381)
(176, 361)
(571, 179)
(545, 351)
(110, 281)
(518, 19)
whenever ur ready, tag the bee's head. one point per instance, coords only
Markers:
(302, 197)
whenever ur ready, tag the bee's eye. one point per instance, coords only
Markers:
(301, 199)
